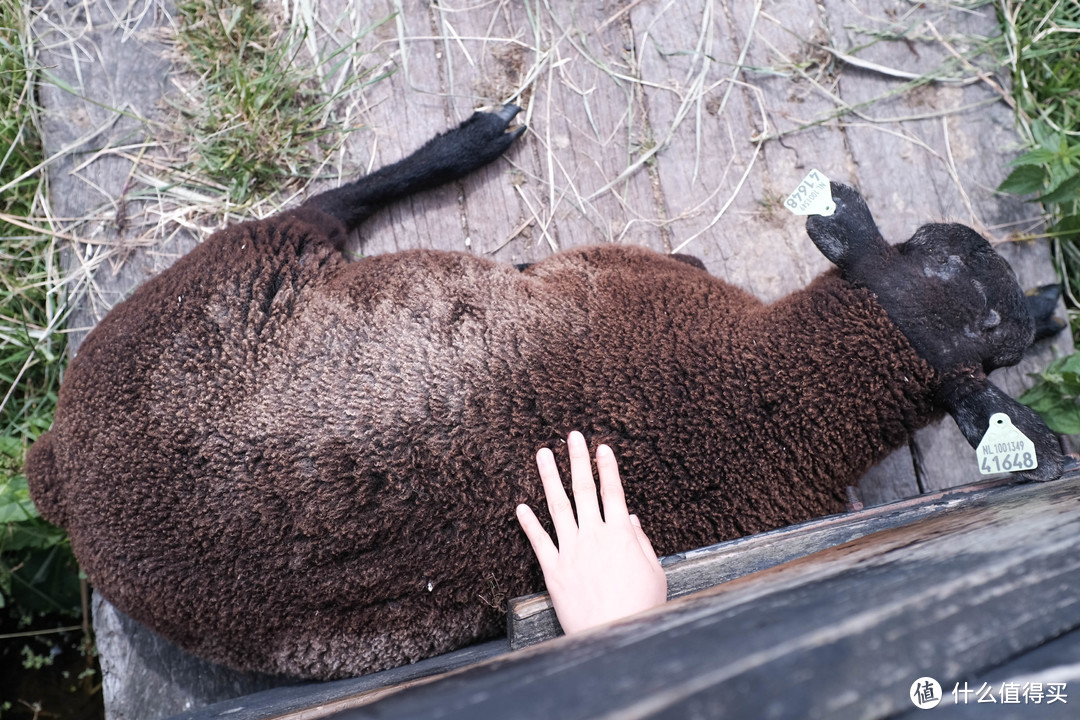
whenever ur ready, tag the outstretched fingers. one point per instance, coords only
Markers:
(542, 546)
(562, 513)
(611, 489)
(581, 476)
(597, 574)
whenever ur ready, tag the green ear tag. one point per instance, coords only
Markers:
(1004, 448)
(812, 197)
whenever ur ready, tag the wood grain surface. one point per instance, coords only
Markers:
(977, 591)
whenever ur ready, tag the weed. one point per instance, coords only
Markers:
(254, 107)
(1044, 57)
(37, 572)
(39, 580)
(35, 661)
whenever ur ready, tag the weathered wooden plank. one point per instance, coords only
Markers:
(585, 123)
(481, 63)
(891, 479)
(688, 52)
(453, 59)
(310, 700)
(840, 634)
(1058, 661)
(118, 73)
(531, 619)
(146, 676)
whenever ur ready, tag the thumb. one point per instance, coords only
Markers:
(643, 539)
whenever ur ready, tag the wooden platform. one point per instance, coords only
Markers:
(674, 125)
(974, 586)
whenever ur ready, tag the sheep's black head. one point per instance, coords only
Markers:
(956, 300)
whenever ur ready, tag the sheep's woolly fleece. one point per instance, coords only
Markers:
(301, 465)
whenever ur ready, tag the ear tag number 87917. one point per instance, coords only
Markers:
(1004, 448)
(812, 197)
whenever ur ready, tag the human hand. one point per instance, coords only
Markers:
(604, 568)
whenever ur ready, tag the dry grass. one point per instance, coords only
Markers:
(610, 98)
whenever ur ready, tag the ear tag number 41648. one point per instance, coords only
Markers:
(1004, 448)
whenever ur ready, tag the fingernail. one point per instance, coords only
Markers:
(605, 450)
(634, 521)
(575, 436)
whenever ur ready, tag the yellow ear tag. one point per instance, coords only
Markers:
(812, 197)
(1004, 448)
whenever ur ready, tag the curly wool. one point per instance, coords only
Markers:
(286, 462)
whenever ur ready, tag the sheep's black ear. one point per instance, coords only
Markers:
(1041, 303)
(849, 235)
(972, 402)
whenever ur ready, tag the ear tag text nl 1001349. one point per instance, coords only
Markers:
(1004, 448)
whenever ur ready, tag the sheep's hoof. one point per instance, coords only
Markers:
(508, 112)
(484, 136)
(468, 147)
(502, 120)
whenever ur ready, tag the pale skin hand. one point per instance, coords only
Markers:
(604, 568)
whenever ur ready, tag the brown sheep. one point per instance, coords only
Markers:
(287, 462)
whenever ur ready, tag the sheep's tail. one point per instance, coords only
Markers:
(445, 158)
(46, 482)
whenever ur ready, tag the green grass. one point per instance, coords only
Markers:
(259, 120)
(1043, 37)
(40, 585)
(1044, 57)
(37, 572)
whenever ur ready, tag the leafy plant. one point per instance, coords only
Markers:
(1044, 55)
(1051, 169)
(37, 571)
(38, 574)
(1056, 395)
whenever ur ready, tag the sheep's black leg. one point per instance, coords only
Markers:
(444, 158)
